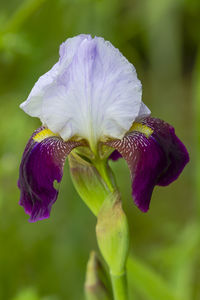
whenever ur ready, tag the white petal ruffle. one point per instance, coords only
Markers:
(92, 92)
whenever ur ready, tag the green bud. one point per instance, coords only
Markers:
(94, 286)
(88, 182)
(113, 234)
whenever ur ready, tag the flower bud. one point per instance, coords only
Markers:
(94, 286)
(113, 234)
(88, 182)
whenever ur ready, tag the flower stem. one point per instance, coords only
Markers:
(113, 234)
(119, 285)
(106, 173)
(196, 88)
(96, 185)
(103, 171)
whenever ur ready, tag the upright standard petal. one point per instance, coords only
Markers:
(155, 156)
(42, 164)
(92, 92)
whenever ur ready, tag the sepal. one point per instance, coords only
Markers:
(113, 234)
(95, 287)
(88, 182)
(154, 154)
(41, 170)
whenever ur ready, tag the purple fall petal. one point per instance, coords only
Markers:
(155, 160)
(115, 155)
(176, 152)
(42, 163)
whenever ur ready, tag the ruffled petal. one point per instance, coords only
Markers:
(34, 103)
(42, 164)
(155, 156)
(176, 153)
(92, 92)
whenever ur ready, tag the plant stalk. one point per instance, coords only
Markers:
(119, 285)
(119, 282)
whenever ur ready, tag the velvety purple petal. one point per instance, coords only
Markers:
(42, 164)
(115, 155)
(176, 152)
(157, 159)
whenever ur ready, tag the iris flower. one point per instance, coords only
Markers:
(92, 98)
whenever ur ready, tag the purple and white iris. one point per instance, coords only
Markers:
(92, 97)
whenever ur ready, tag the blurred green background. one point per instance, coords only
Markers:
(47, 260)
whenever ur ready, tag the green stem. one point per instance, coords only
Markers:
(196, 83)
(103, 171)
(119, 285)
(96, 185)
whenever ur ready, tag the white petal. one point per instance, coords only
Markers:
(92, 92)
(34, 102)
(144, 111)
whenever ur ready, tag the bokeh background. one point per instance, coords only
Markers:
(47, 260)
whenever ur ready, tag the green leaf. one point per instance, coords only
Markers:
(95, 288)
(147, 282)
(179, 260)
(27, 294)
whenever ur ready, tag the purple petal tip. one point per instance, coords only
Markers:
(42, 163)
(155, 160)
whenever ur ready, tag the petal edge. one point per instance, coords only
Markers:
(42, 163)
(157, 159)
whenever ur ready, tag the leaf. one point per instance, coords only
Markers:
(147, 282)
